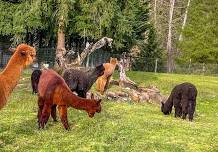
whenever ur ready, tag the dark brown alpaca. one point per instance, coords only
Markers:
(35, 80)
(80, 81)
(52, 91)
(183, 98)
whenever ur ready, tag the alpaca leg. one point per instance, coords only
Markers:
(53, 112)
(178, 108)
(81, 93)
(40, 108)
(103, 84)
(63, 115)
(178, 111)
(36, 88)
(98, 84)
(33, 87)
(45, 115)
(3, 100)
(184, 102)
(107, 83)
(84, 94)
(191, 110)
(33, 90)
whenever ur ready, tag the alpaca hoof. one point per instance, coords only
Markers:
(42, 124)
(67, 128)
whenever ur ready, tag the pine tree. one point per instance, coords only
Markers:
(150, 52)
(200, 34)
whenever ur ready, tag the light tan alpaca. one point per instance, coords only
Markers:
(103, 81)
(22, 57)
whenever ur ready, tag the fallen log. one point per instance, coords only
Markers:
(129, 90)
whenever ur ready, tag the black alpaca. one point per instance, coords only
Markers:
(80, 81)
(35, 80)
(183, 98)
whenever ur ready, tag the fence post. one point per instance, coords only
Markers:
(155, 68)
(203, 68)
(189, 66)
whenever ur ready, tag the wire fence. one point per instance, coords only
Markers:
(47, 56)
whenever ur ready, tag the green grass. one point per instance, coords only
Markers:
(120, 126)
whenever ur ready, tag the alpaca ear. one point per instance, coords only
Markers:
(162, 103)
(92, 96)
(111, 59)
(12, 49)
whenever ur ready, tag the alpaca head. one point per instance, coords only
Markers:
(165, 109)
(113, 61)
(25, 54)
(99, 70)
(96, 107)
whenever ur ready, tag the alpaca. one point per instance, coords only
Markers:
(183, 98)
(103, 81)
(80, 81)
(35, 80)
(52, 92)
(9, 77)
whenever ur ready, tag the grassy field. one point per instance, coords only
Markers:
(120, 126)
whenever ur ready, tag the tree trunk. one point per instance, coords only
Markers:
(60, 51)
(184, 21)
(170, 53)
(155, 13)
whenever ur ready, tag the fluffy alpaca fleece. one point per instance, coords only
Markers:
(103, 81)
(22, 57)
(183, 98)
(52, 91)
(35, 80)
(80, 81)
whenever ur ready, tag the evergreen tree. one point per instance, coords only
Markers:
(124, 21)
(150, 52)
(200, 41)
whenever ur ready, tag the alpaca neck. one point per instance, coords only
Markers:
(169, 102)
(12, 73)
(76, 102)
(113, 66)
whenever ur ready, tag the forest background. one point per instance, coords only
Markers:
(172, 32)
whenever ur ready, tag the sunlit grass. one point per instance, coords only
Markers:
(120, 126)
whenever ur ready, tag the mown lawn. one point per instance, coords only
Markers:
(120, 126)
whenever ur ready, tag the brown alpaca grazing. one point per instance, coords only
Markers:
(52, 92)
(22, 57)
(103, 81)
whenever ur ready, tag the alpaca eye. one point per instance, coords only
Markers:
(23, 53)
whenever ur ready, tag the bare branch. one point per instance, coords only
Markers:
(90, 49)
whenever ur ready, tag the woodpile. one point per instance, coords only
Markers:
(150, 94)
